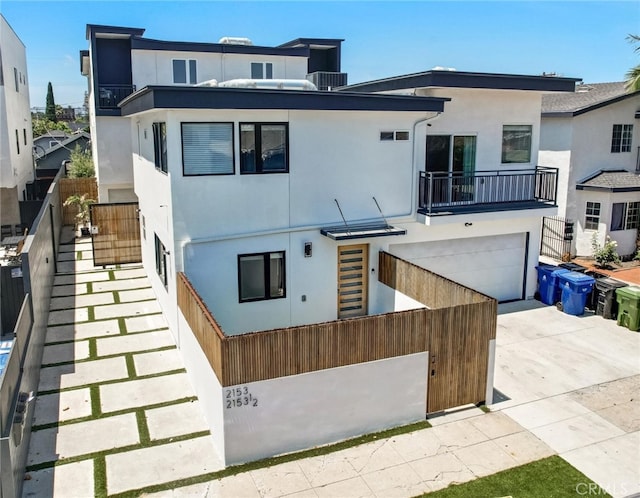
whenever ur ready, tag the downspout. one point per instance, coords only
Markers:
(414, 169)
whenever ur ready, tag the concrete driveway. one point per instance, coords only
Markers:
(574, 382)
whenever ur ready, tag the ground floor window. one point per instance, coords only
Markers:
(161, 260)
(625, 216)
(592, 216)
(261, 276)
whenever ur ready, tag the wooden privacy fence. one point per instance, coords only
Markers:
(456, 335)
(76, 186)
(115, 234)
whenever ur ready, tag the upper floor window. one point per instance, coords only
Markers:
(261, 276)
(184, 71)
(264, 148)
(18, 141)
(24, 135)
(15, 76)
(592, 216)
(160, 146)
(207, 149)
(393, 136)
(625, 216)
(516, 143)
(621, 138)
(261, 70)
(161, 260)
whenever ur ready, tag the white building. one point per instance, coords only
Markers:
(119, 60)
(592, 137)
(16, 161)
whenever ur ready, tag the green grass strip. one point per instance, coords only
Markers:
(550, 477)
(96, 406)
(116, 297)
(93, 349)
(122, 325)
(100, 477)
(143, 428)
(78, 255)
(89, 287)
(91, 314)
(131, 367)
(112, 275)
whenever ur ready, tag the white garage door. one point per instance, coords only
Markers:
(491, 265)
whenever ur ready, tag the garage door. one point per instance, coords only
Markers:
(492, 265)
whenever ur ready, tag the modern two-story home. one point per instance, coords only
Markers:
(593, 138)
(289, 234)
(16, 141)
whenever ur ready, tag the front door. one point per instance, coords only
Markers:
(353, 264)
(454, 159)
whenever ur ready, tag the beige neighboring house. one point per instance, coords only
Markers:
(16, 160)
(593, 137)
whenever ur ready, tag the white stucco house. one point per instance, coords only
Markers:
(16, 141)
(592, 136)
(288, 231)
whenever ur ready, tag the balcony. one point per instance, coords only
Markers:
(325, 80)
(110, 95)
(486, 191)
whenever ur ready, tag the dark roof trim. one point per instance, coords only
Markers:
(149, 44)
(172, 97)
(458, 79)
(608, 189)
(361, 231)
(604, 103)
(94, 29)
(84, 54)
(329, 42)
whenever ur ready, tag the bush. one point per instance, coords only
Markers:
(606, 254)
(81, 164)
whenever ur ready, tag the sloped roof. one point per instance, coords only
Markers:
(586, 98)
(612, 181)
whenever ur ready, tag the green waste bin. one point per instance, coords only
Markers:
(629, 307)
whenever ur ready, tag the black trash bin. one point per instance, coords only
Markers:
(592, 300)
(605, 303)
(573, 267)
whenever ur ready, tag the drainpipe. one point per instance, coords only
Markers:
(414, 191)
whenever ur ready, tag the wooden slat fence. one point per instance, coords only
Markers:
(76, 186)
(457, 334)
(118, 237)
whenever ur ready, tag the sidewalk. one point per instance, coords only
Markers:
(115, 412)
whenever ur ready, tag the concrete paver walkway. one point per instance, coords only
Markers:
(115, 411)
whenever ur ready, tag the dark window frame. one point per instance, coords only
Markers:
(160, 146)
(233, 147)
(506, 153)
(266, 276)
(258, 146)
(630, 216)
(18, 140)
(24, 135)
(15, 76)
(161, 260)
(621, 138)
(190, 71)
(266, 70)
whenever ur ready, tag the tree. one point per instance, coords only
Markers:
(43, 126)
(632, 83)
(83, 203)
(50, 109)
(81, 164)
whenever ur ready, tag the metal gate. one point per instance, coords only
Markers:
(557, 236)
(115, 233)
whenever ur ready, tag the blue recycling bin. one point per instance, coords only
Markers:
(575, 287)
(548, 283)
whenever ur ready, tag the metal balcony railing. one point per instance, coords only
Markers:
(110, 95)
(499, 190)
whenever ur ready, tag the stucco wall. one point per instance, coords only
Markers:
(112, 139)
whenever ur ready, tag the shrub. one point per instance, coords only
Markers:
(606, 254)
(81, 164)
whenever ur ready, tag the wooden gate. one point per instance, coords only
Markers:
(115, 234)
(557, 234)
(353, 264)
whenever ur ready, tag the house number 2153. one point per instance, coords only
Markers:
(238, 397)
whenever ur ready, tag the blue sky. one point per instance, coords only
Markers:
(571, 38)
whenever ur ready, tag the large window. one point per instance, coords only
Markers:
(18, 141)
(592, 216)
(516, 143)
(15, 77)
(625, 216)
(261, 276)
(160, 146)
(184, 71)
(261, 70)
(264, 148)
(207, 149)
(621, 138)
(161, 260)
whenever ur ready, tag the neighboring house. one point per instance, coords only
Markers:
(49, 162)
(593, 137)
(16, 161)
(48, 140)
(119, 60)
(277, 204)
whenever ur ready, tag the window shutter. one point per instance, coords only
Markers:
(207, 148)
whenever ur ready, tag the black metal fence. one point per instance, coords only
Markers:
(110, 95)
(557, 238)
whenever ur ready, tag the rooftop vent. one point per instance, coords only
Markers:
(442, 68)
(235, 40)
(275, 84)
